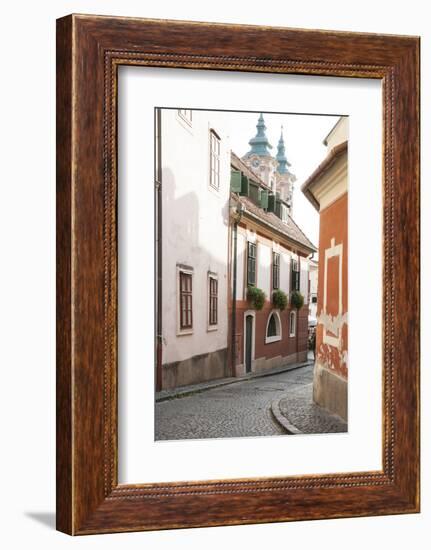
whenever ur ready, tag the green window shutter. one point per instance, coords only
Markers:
(277, 209)
(244, 185)
(235, 181)
(254, 193)
(264, 198)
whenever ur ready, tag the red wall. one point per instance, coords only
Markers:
(284, 347)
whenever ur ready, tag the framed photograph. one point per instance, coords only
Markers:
(237, 274)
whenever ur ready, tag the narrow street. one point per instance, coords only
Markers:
(235, 410)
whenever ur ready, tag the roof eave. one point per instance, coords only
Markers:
(326, 164)
(291, 240)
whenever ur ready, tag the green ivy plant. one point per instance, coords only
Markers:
(296, 299)
(256, 297)
(279, 299)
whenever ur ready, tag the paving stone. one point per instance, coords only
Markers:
(298, 408)
(242, 409)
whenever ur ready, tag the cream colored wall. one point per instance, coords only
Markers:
(333, 184)
(285, 267)
(303, 281)
(240, 266)
(338, 134)
(264, 263)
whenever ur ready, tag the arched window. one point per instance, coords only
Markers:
(273, 328)
(292, 323)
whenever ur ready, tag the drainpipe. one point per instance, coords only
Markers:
(234, 277)
(158, 250)
(237, 217)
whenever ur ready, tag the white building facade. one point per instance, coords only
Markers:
(195, 179)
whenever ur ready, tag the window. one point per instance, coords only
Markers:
(295, 275)
(186, 114)
(292, 323)
(251, 264)
(186, 306)
(284, 213)
(275, 270)
(213, 297)
(214, 160)
(273, 328)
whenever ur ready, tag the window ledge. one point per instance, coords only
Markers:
(271, 339)
(184, 332)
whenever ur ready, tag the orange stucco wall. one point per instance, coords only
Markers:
(333, 231)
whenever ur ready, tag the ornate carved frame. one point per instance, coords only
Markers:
(89, 51)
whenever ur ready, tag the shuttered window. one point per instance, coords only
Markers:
(213, 299)
(295, 275)
(275, 270)
(251, 264)
(186, 305)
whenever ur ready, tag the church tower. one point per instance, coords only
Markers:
(259, 158)
(283, 177)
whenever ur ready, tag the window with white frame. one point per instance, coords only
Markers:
(185, 285)
(292, 323)
(214, 160)
(212, 301)
(275, 270)
(186, 115)
(273, 328)
(251, 264)
(296, 275)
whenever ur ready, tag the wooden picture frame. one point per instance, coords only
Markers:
(89, 51)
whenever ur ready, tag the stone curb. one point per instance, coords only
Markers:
(177, 394)
(282, 420)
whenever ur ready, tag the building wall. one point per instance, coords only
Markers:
(288, 349)
(330, 384)
(314, 273)
(338, 134)
(195, 220)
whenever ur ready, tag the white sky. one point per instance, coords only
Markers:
(303, 139)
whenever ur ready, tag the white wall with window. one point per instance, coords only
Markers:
(264, 268)
(213, 301)
(214, 167)
(240, 265)
(284, 213)
(285, 267)
(193, 211)
(304, 276)
(186, 115)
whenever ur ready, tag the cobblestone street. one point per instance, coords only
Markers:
(239, 409)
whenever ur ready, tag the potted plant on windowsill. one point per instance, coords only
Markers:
(279, 299)
(296, 299)
(256, 297)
